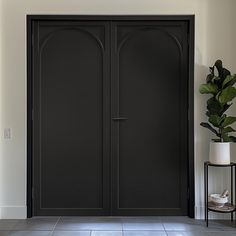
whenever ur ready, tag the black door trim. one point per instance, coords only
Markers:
(187, 18)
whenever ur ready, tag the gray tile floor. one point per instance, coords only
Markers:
(115, 226)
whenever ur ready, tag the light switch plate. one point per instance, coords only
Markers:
(7, 133)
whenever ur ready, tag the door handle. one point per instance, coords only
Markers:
(119, 118)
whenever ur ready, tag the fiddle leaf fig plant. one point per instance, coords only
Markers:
(220, 86)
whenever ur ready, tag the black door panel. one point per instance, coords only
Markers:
(70, 150)
(150, 147)
(110, 123)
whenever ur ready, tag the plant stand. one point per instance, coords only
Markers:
(209, 206)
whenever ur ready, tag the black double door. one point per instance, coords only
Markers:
(110, 117)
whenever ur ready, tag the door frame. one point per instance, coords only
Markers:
(188, 18)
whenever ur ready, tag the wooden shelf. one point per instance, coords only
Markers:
(224, 209)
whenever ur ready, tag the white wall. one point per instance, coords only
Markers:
(215, 37)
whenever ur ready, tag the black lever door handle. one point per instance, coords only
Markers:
(119, 118)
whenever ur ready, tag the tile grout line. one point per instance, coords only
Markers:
(55, 225)
(122, 227)
(164, 228)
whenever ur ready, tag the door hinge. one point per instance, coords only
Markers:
(32, 193)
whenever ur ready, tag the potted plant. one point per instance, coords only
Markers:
(220, 85)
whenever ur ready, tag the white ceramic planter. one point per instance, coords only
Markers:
(219, 153)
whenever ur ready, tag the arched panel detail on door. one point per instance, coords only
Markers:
(49, 36)
(134, 33)
(69, 121)
(151, 91)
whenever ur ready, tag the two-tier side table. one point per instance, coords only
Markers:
(228, 207)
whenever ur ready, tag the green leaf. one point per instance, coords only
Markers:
(233, 139)
(214, 107)
(225, 107)
(228, 130)
(218, 64)
(208, 88)
(227, 95)
(216, 140)
(225, 73)
(211, 69)
(229, 81)
(228, 121)
(206, 125)
(219, 67)
(209, 78)
(216, 120)
(226, 138)
(216, 78)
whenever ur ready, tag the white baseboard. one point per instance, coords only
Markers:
(13, 212)
(199, 212)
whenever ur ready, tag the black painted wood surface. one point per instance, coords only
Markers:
(150, 88)
(110, 117)
(71, 119)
